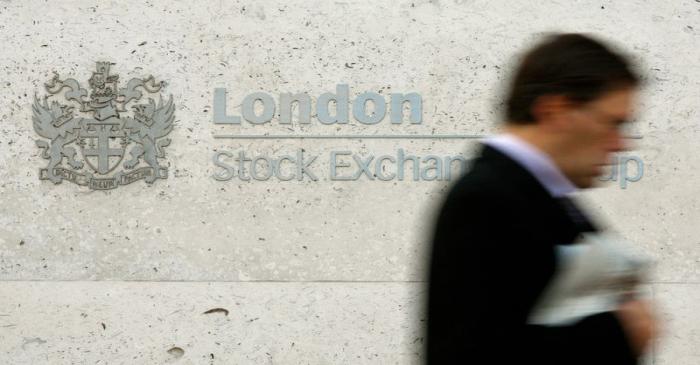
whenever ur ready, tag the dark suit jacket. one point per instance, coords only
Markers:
(492, 256)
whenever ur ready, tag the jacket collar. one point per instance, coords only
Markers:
(513, 178)
(537, 162)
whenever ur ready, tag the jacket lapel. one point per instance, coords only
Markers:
(562, 221)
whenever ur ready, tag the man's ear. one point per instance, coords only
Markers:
(550, 111)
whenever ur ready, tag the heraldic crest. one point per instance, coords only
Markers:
(116, 149)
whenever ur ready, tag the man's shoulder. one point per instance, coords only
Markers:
(493, 174)
(495, 185)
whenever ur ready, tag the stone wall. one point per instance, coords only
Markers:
(193, 270)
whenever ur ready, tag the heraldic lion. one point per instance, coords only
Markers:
(56, 123)
(149, 123)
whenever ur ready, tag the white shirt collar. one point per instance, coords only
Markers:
(535, 161)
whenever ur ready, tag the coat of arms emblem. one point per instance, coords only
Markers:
(116, 148)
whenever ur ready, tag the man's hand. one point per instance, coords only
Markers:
(639, 322)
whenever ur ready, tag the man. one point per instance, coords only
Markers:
(496, 236)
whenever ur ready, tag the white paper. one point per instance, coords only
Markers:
(593, 276)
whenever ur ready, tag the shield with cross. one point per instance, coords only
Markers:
(102, 144)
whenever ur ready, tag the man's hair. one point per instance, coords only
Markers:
(574, 65)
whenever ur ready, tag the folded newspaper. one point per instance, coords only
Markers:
(593, 276)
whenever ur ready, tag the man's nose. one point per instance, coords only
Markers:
(620, 142)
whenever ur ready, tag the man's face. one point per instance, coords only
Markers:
(592, 133)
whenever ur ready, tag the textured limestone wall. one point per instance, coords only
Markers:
(192, 270)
